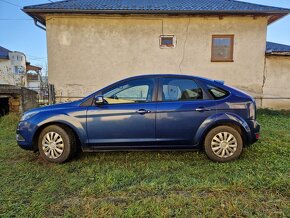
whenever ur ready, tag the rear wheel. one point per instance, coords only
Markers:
(56, 144)
(223, 144)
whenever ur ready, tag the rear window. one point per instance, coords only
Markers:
(216, 92)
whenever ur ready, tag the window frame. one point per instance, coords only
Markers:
(167, 46)
(205, 94)
(228, 36)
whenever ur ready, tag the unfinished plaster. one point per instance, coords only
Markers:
(277, 77)
(86, 53)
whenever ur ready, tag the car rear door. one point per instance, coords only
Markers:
(181, 109)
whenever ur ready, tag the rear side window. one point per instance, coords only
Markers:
(216, 92)
(174, 89)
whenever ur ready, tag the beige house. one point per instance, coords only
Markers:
(94, 43)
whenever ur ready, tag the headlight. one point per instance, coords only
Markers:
(28, 115)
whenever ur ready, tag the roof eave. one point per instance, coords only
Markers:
(36, 13)
(278, 53)
(36, 16)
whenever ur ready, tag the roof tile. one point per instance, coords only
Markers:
(158, 5)
(4, 53)
(275, 47)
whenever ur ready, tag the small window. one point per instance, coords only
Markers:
(222, 48)
(16, 69)
(167, 41)
(216, 92)
(180, 90)
(135, 91)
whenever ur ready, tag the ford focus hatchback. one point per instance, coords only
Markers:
(151, 112)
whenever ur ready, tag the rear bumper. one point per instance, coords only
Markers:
(255, 131)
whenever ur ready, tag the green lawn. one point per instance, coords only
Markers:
(149, 184)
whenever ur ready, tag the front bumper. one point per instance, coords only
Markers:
(24, 135)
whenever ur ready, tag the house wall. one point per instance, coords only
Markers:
(29, 99)
(277, 77)
(34, 85)
(6, 73)
(20, 99)
(86, 53)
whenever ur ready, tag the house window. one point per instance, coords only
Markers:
(16, 70)
(222, 48)
(167, 41)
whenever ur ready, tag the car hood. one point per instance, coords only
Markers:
(55, 107)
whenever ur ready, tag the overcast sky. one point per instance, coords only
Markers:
(18, 32)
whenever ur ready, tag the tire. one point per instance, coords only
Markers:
(223, 144)
(56, 144)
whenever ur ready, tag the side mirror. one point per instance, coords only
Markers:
(99, 100)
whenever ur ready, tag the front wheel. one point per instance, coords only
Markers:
(223, 144)
(56, 144)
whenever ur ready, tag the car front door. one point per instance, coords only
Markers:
(128, 116)
(181, 109)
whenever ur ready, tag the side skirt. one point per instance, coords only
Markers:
(103, 148)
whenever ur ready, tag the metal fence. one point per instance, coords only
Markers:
(45, 94)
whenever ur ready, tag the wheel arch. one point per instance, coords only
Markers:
(224, 119)
(57, 123)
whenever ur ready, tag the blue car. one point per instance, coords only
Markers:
(149, 112)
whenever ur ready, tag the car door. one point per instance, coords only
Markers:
(128, 116)
(181, 109)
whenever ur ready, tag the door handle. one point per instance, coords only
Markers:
(202, 109)
(143, 111)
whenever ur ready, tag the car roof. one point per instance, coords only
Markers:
(164, 75)
(173, 75)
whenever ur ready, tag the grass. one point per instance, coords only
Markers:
(149, 184)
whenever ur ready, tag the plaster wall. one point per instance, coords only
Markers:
(88, 52)
(277, 82)
(6, 73)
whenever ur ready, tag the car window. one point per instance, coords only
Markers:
(174, 89)
(216, 92)
(134, 91)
